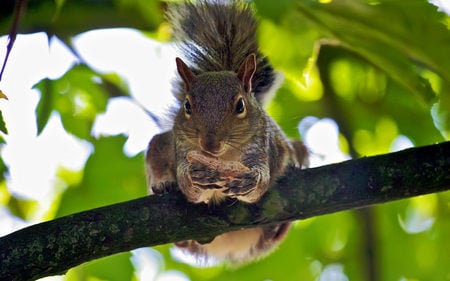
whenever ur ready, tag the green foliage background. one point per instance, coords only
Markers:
(380, 69)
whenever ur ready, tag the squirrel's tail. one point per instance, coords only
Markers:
(219, 35)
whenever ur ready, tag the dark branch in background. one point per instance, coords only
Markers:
(337, 111)
(54, 247)
(18, 11)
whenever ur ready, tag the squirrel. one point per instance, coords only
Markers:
(223, 146)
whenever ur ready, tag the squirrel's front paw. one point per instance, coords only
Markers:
(248, 187)
(207, 172)
(164, 187)
(244, 183)
(203, 177)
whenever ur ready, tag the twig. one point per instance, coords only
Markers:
(18, 12)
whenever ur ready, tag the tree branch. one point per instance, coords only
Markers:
(53, 247)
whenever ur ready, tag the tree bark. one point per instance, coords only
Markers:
(55, 246)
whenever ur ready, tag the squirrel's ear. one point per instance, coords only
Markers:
(185, 73)
(246, 72)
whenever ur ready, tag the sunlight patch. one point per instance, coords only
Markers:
(123, 116)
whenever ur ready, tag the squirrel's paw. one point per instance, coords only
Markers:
(243, 184)
(164, 187)
(248, 187)
(204, 177)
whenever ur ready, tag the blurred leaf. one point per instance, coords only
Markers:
(362, 29)
(45, 105)
(275, 12)
(114, 85)
(78, 97)
(350, 83)
(4, 193)
(3, 128)
(289, 44)
(113, 268)
(22, 208)
(287, 109)
(2, 95)
(3, 168)
(388, 36)
(420, 256)
(67, 18)
(398, 42)
(109, 177)
(441, 115)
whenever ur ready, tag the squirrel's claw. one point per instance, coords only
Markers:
(243, 183)
(164, 187)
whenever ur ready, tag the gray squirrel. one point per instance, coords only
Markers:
(223, 146)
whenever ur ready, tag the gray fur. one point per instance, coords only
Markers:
(217, 36)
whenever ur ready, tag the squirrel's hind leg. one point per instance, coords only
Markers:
(160, 164)
(237, 246)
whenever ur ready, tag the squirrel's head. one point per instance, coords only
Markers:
(219, 110)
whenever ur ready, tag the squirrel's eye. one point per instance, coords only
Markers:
(187, 107)
(240, 108)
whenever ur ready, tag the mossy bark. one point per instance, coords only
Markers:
(55, 246)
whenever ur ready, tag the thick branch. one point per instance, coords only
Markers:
(53, 247)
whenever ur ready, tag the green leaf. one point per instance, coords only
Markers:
(391, 36)
(3, 170)
(109, 177)
(289, 43)
(67, 18)
(275, 12)
(114, 85)
(113, 268)
(399, 37)
(22, 208)
(45, 104)
(78, 97)
(3, 128)
(3, 96)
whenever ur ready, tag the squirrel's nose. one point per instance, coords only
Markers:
(211, 144)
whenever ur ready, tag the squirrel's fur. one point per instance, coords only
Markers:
(218, 37)
(223, 146)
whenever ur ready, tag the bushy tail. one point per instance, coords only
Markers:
(217, 36)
